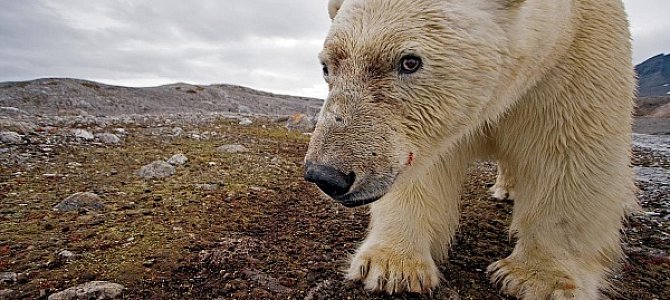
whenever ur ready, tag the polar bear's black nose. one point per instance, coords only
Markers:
(330, 180)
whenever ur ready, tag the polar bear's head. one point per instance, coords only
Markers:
(407, 79)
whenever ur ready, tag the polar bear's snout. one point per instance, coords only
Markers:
(330, 180)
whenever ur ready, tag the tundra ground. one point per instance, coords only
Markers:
(242, 225)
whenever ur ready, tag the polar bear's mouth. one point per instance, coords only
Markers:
(354, 200)
(368, 191)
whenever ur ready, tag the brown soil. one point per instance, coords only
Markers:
(265, 234)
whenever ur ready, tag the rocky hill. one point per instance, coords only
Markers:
(654, 76)
(653, 107)
(58, 96)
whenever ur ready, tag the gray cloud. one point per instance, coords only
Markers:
(650, 26)
(265, 44)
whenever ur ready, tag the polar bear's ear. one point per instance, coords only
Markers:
(334, 7)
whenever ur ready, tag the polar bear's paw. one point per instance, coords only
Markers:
(519, 280)
(392, 272)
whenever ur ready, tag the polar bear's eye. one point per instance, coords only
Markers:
(410, 64)
(325, 69)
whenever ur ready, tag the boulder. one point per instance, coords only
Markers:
(156, 170)
(108, 138)
(178, 160)
(8, 277)
(98, 290)
(81, 202)
(232, 149)
(83, 134)
(246, 122)
(10, 138)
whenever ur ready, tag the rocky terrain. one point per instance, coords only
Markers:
(59, 96)
(105, 200)
(652, 115)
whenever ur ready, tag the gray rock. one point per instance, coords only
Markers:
(83, 134)
(66, 254)
(232, 149)
(120, 130)
(10, 138)
(178, 160)
(11, 111)
(157, 169)
(108, 138)
(81, 201)
(207, 187)
(177, 131)
(243, 109)
(246, 122)
(8, 277)
(98, 290)
(300, 122)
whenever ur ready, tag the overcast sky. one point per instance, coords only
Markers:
(265, 44)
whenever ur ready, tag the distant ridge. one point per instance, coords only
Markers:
(66, 96)
(654, 76)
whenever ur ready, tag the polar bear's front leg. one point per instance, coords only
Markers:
(410, 229)
(568, 234)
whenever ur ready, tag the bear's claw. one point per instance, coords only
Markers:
(517, 279)
(388, 271)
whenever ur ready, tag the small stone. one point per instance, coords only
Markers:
(157, 169)
(83, 134)
(65, 254)
(246, 122)
(177, 131)
(232, 149)
(80, 201)
(108, 138)
(8, 277)
(178, 160)
(258, 189)
(149, 263)
(120, 130)
(99, 290)
(207, 187)
(10, 138)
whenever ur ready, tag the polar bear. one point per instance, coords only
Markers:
(420, 88)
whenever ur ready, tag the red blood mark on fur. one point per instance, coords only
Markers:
(410, 159)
